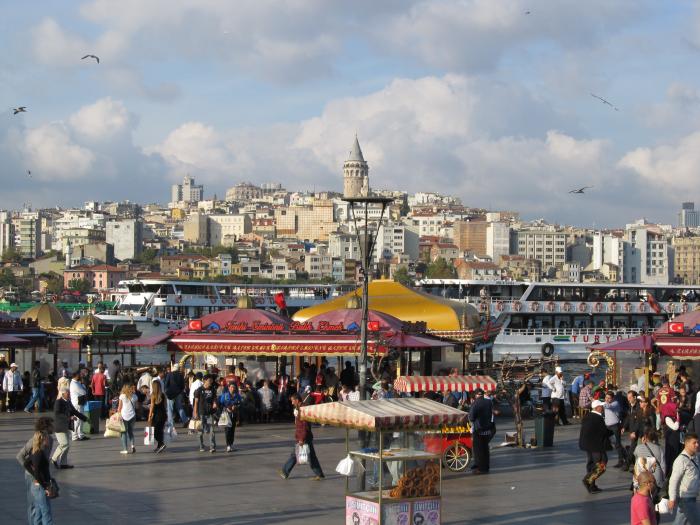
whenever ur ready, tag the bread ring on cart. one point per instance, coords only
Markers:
(411, 474)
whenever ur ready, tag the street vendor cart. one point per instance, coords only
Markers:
(452, 442)
(399, 481)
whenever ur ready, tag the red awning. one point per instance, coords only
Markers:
(152, 340)
(264, 344)
(641, 343)
(402, 340)
(684, 347)
(11, 340)
(444, 383)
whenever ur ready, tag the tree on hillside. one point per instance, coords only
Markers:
(401, 276)
(11, 256)
(80, 285)
(440, 269)
(7, 278)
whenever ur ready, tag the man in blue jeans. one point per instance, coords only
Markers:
(37, 388)
(302, 436)
(174, 387)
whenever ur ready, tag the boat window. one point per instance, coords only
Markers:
(135, 287)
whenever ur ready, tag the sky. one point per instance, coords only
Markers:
(488, 101)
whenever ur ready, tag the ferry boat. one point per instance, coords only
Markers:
(167, 302)
(543, 318)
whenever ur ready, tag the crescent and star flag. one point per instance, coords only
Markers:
(676, 328)
(195, 325)
(280, 301)
(652, 302)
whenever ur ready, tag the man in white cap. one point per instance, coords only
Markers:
(558, 388)
(12, 384)
(594, 439)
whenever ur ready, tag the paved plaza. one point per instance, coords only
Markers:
(184, 486)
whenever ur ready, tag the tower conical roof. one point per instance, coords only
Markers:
(356, 152)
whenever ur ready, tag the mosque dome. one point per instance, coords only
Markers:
(46, 315)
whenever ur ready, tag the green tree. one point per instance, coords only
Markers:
(440, 269)
(80, 285)
(401, 276)
(54, 282)
(12, 256)
(7, 278)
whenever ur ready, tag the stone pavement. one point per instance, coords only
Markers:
(184, 486)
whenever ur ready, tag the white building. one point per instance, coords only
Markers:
(497, 240)
(126, 235)
(545, 244)
(396, 239)
(227, 229)
(318, 265)
(344, 246)
(607, 249)
(646, 254)
(7, 233)
(187, 192)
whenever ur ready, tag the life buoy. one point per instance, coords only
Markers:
(670, 308)
(90, 300)
(613, 307)
(643, 307)
(598, 307)
(534, 306)
(628, 307)
(178, 299)
(517, 306)
(550, 306)
(582, 307)
(567, 307)
(156, 322)
(499, 306)
(684, 307)
(547, 349)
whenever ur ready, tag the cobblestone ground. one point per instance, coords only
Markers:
(184, 486)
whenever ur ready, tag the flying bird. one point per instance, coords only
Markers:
(604, 101)
(92, 56)
(29, 172)
(21, 109)
(528, 12)
(581, 190)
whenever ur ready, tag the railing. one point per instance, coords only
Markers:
(580, 307)
(575, 331)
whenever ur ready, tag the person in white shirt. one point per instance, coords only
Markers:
(78, 393)
(127, 409)
(194, 386)
(145, 380)
(558, 392)
(546, 394)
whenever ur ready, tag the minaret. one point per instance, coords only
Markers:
(355, 173)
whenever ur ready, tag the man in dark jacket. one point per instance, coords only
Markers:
(594, 439)
(64, 413)
(174, 386)
(302, 436)
(37, 388)
(481, 417)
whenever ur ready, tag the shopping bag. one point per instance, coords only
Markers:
(111, 434)
(116, 423)
(302, 454)
(169, 433)
(346, 467)
(224, 420)
(149, 435)
(195, 424)
(86, 427)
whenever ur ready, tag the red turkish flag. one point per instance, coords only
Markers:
(280, 301)
(676, 328)
(373, 326)
(195, 325)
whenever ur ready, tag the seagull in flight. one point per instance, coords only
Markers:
(21, 109)
(528, 12)
(581, 190)
(604, 101)
(92, 56)
(29, 172)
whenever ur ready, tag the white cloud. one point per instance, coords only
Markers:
(102, 120)
(56, 47)
(195, 145)
(50, 152)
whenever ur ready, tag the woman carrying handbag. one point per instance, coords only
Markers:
(127, 412)
(229, 401)
(44, 487)
(158, 415)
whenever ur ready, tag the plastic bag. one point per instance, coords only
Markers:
(116, 423)
(224, 420)
(169, 433)
(149, 436)
(111, 434)
(302, 454)
(346, 467)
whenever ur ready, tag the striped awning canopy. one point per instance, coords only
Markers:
(444, 383)
(384, 414)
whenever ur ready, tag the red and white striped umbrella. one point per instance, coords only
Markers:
(444, 383)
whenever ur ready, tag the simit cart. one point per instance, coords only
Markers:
(452, 442)
(399, 481)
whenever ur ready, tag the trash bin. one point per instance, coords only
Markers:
(544, 429)
(94, 410)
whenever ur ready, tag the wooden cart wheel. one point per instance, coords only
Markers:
(457, 457)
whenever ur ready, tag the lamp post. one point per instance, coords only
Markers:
(366, 248)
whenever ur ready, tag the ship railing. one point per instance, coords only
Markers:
(574, 331)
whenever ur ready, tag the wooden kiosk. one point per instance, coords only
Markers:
(401, 482)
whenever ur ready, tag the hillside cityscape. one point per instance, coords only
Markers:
(267, 233)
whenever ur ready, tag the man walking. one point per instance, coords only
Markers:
(641, 506)
(302, 436)
(37, 388)
(78, 398)
(558, 388)
(481, 418)
(12, 384)
(63, 414)
(174, 384)
(612, 422)
(546, 393)
(205, 407)
(594, 439)
(684, 484)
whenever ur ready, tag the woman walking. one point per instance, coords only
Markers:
(157, 415)
(127, 410)
(37, 464)
(44, 425)
(230, 401)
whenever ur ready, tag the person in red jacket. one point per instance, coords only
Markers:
(302, 436)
